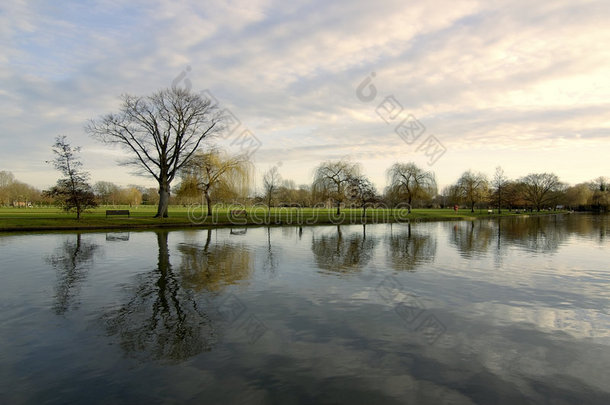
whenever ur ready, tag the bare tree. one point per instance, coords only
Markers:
(271, 183)
(215, 171)
(601, 193)
(106, 192)
(411, 181)
(473, 187)
(6, 178)
(362, 191)
(161, 132)
(499, 183)
(72, 192)
(332, 178)
(540, 189)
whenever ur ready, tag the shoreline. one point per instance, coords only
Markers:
(274, 222)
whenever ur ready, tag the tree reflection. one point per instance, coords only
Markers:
(271, 258)
(213, 266)
(72, 262)
(343, 254)
(536, 234)
(472, 238)
(543, 234)
(162, 320)
(408, 249)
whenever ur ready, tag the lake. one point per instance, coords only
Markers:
(502, 311)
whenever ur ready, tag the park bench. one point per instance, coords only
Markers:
(117, 212)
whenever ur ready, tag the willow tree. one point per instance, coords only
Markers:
(160, 132)
(411, 181)
(216, 172)
(332, 180)
(473, 188)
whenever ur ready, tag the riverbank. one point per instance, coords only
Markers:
(52, 219)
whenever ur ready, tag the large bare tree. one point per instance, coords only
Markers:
(332, 179)
(540, 189)
(413, 182)
(161, 132)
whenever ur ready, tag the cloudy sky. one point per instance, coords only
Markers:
(518, 84)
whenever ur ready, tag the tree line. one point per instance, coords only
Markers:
(167, 134)
(342, 184)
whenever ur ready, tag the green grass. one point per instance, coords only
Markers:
(26, 219)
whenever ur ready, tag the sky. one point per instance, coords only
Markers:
(448, 85)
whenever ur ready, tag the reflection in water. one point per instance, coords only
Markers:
(343, 253)
(536, 234)
(213, 266)
(72, 262)
(161, 320)
(117, 236)
(409, 249)
(271, 256)
(541, 234)
(472, 238)
(535, 329)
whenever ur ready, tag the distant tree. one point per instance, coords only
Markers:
(161, 132)
(215, 171)
(21, 194)
(150, 196)
(303, 195)
(362, 191)
(577, 196)
(72, 192)
(411, 181)
(601, 193)
(106, 192)
(6, 179)
(514, 195)
(131, 195)
(473, 188)
(449, 196)
(540, 189)
(271, 184)
(499, 183)
(15, 192)
(287, 193)
(601, 183)
(331, 180)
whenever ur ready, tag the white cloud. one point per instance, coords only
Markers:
(487, 77)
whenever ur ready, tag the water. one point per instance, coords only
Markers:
(500, 311)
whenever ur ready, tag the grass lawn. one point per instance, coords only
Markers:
(29, 219)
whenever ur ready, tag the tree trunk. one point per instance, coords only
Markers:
(338, 207)
(499, 201)
(409, 202)
(163, 201)
(472, 208)
(208, 202)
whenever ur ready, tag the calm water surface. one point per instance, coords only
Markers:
(510, 311)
